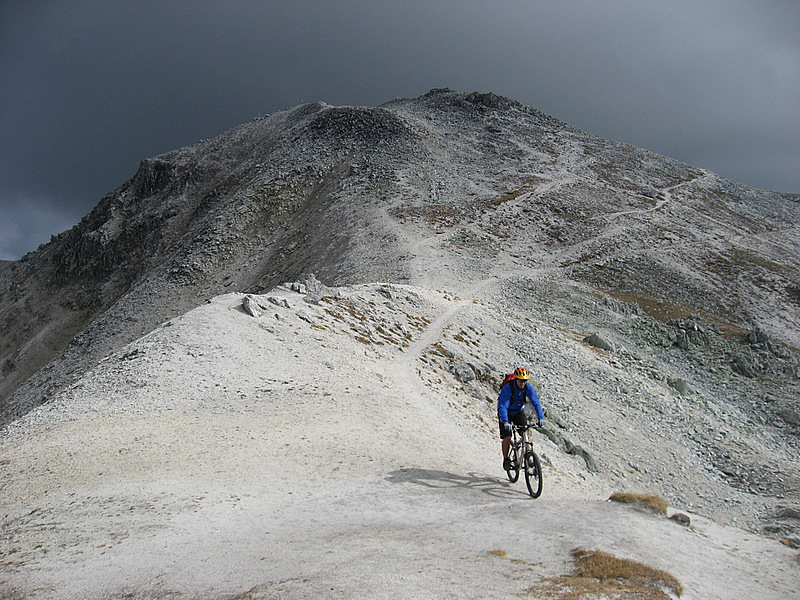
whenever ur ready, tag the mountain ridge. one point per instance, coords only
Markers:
(309, 190)
(425, 245)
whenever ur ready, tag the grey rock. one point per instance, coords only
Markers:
(278, 301)
(747, 364)
(585, 455)
(757, 337)
(303, 315)
(680, 385)
(791, 417)
(788, 512)
(315, 290)
(682, 340)
(557, 438)
(297, 287)
(690, 331)
(463, 371)
(554, 417)
(251, 306)
(682, 519)
(598, 341)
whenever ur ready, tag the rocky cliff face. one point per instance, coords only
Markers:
(490, 188)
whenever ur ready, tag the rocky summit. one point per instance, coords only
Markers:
(432, 244)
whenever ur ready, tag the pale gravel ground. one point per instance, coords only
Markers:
(223, 455)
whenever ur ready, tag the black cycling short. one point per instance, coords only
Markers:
(518, 419)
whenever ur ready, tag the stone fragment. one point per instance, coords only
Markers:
(281, 302)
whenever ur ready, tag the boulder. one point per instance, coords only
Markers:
(584, 454)
(598, 341)
(251, 306)
(790, 417)
(313, 288)
(679, 385)
(463, 372)
(747, 364)
(280, 302)
(788, 512)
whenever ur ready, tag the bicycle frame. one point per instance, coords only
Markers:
(523, 458)
(519, 439)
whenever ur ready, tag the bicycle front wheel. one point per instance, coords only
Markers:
(533, 474)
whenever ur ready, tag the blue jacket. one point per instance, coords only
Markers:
(511, 400)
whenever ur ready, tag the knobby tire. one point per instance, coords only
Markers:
(533, 474)
(514, 455)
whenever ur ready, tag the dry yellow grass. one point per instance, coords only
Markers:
(654, 503)
(600, 574)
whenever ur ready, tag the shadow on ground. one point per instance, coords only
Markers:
(431, 478)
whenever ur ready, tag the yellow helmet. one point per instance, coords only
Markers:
(522, 373)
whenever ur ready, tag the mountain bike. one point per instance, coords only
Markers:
(524, 458)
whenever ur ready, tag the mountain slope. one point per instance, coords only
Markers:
(326, 449)
(482, 183)
(691, 282)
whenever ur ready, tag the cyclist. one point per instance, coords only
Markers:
(510, 405)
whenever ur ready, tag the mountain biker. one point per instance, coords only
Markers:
(510, 405)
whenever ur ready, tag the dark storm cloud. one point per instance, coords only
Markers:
(88, 89)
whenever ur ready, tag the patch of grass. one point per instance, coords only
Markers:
(599, 574)
(438, 348)
(517, 561)
(506, 197)
(463, 336)
(603, 566)
(654, 503)
(658, 308)
(664, 310)
(569, 333)
(526, 185)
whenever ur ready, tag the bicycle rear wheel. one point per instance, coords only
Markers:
(514, 454)
(533, 474)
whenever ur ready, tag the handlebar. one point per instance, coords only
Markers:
(525, 427)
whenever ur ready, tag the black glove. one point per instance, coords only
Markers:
(541, 422)
(507, 428)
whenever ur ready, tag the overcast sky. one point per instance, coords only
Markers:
(89, 89)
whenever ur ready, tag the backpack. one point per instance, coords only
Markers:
(509, 377)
